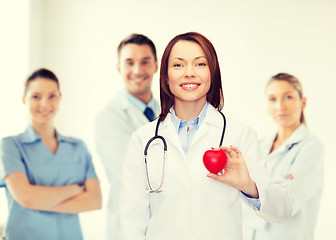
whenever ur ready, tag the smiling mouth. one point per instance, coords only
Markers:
(139, 77)
(190, 85)
(45, 114)
(282, 115)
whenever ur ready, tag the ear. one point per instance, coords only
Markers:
(304, 102)
(118, 67)
(23, 100)
(156, 67)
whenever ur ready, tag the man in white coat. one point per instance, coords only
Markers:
(127, 111)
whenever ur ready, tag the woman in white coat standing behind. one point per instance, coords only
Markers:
(175, 197)
(294, 154)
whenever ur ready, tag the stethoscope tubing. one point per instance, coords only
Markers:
(156, 136)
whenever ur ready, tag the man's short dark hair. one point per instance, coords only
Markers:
(138, 39)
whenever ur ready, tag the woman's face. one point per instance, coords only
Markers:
(284, 104)
(189, 77)
(42, 99)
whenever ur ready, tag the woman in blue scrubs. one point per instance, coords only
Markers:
(49, 178)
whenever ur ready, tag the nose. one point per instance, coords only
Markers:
(137, 69)
(280, 104)
(189, 72)
(44, 102)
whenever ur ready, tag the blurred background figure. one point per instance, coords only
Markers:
(297, 156)
(127, 111)
(49, 178)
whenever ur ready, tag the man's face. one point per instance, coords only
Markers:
(137, 66)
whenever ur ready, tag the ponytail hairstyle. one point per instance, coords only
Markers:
(292, 81)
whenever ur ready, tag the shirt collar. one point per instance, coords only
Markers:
(61, 138)
(31, 136)
(196, 121)
(299, 133)
(139, 104)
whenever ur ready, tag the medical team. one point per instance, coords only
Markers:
(50, 178)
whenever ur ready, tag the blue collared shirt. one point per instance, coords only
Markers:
(140, 105)
(186, 129)
(71, 164)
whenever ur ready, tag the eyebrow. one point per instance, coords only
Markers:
(36, 92)
(145, 58)
(288, 92)
(179, 58)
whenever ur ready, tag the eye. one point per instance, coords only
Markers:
(35, 97)
(201, 64)
(52, 96)
(288, 97)
(129, 64)
(145, 62)
(177, 65)
(271, 99)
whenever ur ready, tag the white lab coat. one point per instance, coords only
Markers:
(302, 156)
(114, 125)
(191, 205)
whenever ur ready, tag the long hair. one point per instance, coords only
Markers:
(292, 81)
(215, 93)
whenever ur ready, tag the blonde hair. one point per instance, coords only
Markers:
(296, 85)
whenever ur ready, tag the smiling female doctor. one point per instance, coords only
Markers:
(294, 154)
(176, 198)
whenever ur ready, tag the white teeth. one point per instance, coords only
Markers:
(189, 85)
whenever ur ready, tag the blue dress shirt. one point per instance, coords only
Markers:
(186, 129)
(140, 105)
(71, 164)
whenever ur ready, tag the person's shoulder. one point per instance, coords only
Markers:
(147, 129)
(70, 139)
(9, 139)
(237, 125)
(12, 142)
(114, 109)
(15, 137)
(117, 102)
(313, 140)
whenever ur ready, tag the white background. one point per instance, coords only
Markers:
(77, 39)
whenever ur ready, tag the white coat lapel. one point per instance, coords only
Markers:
(285, 151)
(300, 133)
(168, 131)
(212, 118)
(133, 113)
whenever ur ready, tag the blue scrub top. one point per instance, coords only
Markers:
(72, 164)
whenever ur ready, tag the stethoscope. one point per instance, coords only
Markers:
(156, 136)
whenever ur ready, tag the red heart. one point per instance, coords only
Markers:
(214, 160)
